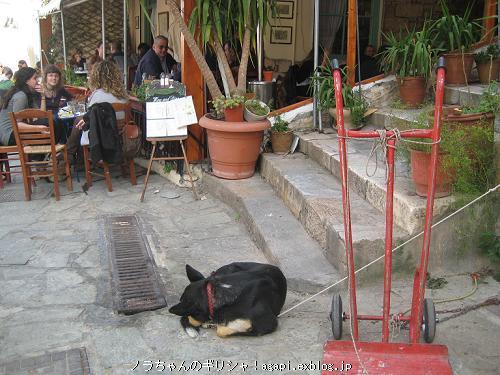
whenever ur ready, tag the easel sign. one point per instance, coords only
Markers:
(170, 118)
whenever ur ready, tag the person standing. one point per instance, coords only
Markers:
(156, 61)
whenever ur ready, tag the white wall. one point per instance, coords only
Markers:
(20, 40)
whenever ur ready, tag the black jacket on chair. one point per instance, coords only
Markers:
(104, 138)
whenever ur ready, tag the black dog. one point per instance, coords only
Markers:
(239, 298)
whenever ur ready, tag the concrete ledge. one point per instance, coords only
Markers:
(315, 197)
(409, 209)
(276, 232)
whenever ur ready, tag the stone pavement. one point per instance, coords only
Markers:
(55, 299)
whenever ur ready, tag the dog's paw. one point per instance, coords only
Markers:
(192, 332)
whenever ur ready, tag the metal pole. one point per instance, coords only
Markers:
(63, 38)
(125, 68)
(103, 32)
(259, 51)
(316, 118)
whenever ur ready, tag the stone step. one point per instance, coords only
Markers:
(314, 196)
(276, 232)
(367, 178)
(464, 95)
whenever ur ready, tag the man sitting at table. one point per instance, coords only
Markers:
(156, 61)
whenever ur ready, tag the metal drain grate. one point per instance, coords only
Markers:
(136, 286)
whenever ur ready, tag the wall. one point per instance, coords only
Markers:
(302, 36)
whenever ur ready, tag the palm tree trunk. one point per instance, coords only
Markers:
(219, 50)
(245, 54)
(176, 18)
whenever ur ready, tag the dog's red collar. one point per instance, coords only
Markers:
(210, 301)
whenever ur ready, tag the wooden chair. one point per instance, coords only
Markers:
(37, 142)
(118, 107)
(5, 167)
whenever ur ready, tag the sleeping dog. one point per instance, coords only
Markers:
(239, 299)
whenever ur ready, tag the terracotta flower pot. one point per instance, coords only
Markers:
(234, 114)
(488, 71)
(457, 119)
(456, 64)
(412, 90)
(420, 165)
(348, 124)
(281, 141)
(234, 146)
(267, 75)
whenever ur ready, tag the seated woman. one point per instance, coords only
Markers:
(53, 88)
(77, 61)
(106, 83)
(20, 96)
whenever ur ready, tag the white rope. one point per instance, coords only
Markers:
(393, 250)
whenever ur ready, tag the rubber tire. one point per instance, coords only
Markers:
(429, 320)
(336, 315)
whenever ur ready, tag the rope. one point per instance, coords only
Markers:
(393, 250)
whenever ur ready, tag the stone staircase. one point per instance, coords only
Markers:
(306, 196)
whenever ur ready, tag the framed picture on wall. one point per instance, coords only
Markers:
(163, 23)
(281, 34)
(284, 9)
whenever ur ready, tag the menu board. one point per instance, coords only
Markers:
(169, 118)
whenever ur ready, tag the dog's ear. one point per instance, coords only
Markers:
(192, 274)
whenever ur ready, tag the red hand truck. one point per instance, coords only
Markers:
(386, 357)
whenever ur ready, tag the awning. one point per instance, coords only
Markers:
(51, 7)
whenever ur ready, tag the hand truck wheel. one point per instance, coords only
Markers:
(429, 320)
(336, 316)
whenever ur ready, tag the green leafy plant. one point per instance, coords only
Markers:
(221, 103)
(257, 107)
(490, 54)
(411, 53)
(352, 100)
(140, 92)
(73, 79)
(280, 125)
(490, 101)
(454, 32)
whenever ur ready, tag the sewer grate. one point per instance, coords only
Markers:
(136, 285)
(68, 362)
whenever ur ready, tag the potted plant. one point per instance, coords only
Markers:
(410, 57)
(281, 136)
(355, 105)
(267, 73)
(234, 146)
(465, 162)
(231, 107)
(256, 110)
(487, 64)
(455, 35)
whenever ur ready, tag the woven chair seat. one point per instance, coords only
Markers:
(45, 149)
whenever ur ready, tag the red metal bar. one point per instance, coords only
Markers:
(379, 317)
(386, 309)
(345, 200)
(416, 133)
(420, 274)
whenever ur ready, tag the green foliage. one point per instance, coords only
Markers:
(221, 103)
(257, 107)
(280, 125)
(490, 54)
(435, 282)
(326, 94)
(490, 101)
(168, 167)
(412, 53)
(140, 92)
(73, 79)
(454, 32)
(467, 153)
(489, 242)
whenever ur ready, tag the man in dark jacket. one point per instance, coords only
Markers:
(156, 61)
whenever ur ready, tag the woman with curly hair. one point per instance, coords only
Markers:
(106, 84)
(77, 61)
(20, 96)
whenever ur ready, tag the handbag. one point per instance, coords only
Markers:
(131, 140)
